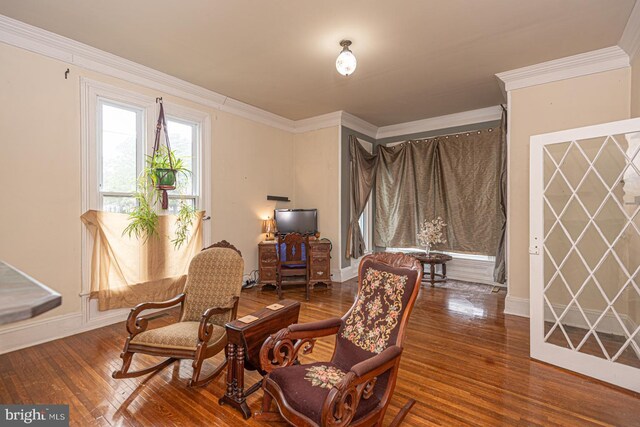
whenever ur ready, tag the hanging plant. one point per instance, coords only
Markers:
(159, 175)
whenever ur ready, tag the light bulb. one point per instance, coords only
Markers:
(346, 62)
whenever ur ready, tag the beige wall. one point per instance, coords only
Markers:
(566, 104)
(40, 228)
(635, 86)
(317, 157)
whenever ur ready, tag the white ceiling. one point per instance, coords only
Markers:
(416, 58)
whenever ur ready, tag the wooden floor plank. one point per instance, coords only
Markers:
(465, 363)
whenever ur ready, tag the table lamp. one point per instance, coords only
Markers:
(269, 227)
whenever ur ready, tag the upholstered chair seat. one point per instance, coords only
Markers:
(208, 302)
(181, 335)
(306, 387)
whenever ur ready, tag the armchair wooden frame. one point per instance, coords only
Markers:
(283, 348)
(137, 324)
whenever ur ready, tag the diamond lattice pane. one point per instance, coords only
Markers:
(627, 305)
(610, 163)
(574, 324)
(549, 268)
(628, 249)
(574, 166)
(558, 295)
(630, 354)
(548, 168)
(591, 147)
(627, 190)
(611, 219)
(611, 333)
(592, 192)
(591, 301)
(574, 219)
(557, 244)
(557, 193)
(557, 151)
(591, 246)
(610, 276)
(592, 347)
(557, 338)
(549, 218)
(574, 271)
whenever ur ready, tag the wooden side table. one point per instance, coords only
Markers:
(243, 350)
(433, 260)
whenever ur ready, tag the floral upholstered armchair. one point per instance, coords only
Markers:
(355, 387)
(209, 300)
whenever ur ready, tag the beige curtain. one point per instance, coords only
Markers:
(456, 177)
(126, 271)
(362, 174)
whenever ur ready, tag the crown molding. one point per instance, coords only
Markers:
(630, 40)
(359, 125)
(597, 61)
(442, 122)
(34, 39)
(318, 122)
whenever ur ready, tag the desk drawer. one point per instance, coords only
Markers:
(320, 272)
(267, 274)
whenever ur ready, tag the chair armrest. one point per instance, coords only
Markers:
(342, 401)
(282, 348)
(205, 328)
(377, 362)
(136, 324)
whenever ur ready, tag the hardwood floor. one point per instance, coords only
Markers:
(464, 362)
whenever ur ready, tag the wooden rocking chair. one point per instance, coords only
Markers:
(209, 300)
(355, 387)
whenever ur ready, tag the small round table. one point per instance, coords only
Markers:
(433, 259)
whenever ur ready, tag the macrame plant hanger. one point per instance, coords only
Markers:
(165, 178)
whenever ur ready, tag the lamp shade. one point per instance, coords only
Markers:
(346, 62)
(268, 226)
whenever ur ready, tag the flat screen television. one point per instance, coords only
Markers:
(304, 221)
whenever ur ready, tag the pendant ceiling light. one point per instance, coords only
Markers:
(346, 62)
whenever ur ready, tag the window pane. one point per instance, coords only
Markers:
(119, 128)
(181, 137)
(118, 204)
(174, 204)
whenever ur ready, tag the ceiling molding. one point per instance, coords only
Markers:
(630, 40)
(442, 122)
(318, 122)
(359, 125)
(597, 61)
(34, 39)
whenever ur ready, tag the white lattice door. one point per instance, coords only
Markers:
(585, 251)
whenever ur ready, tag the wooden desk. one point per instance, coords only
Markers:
(243, 350)
(433, 260)
(22, 297)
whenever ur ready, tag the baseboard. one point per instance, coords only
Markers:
(40, 331)
(516, 306)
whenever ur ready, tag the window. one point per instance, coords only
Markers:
(120, 139)
(124, 136)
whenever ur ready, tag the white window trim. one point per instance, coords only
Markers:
(90, 92)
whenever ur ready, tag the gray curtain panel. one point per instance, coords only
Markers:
(362, 175)
(499, 270)
(456, 177)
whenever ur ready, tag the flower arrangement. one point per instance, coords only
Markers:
(431, 232)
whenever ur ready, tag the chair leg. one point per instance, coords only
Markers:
(308, 294)
(279, 288)
(126, 363)
(197, 366)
